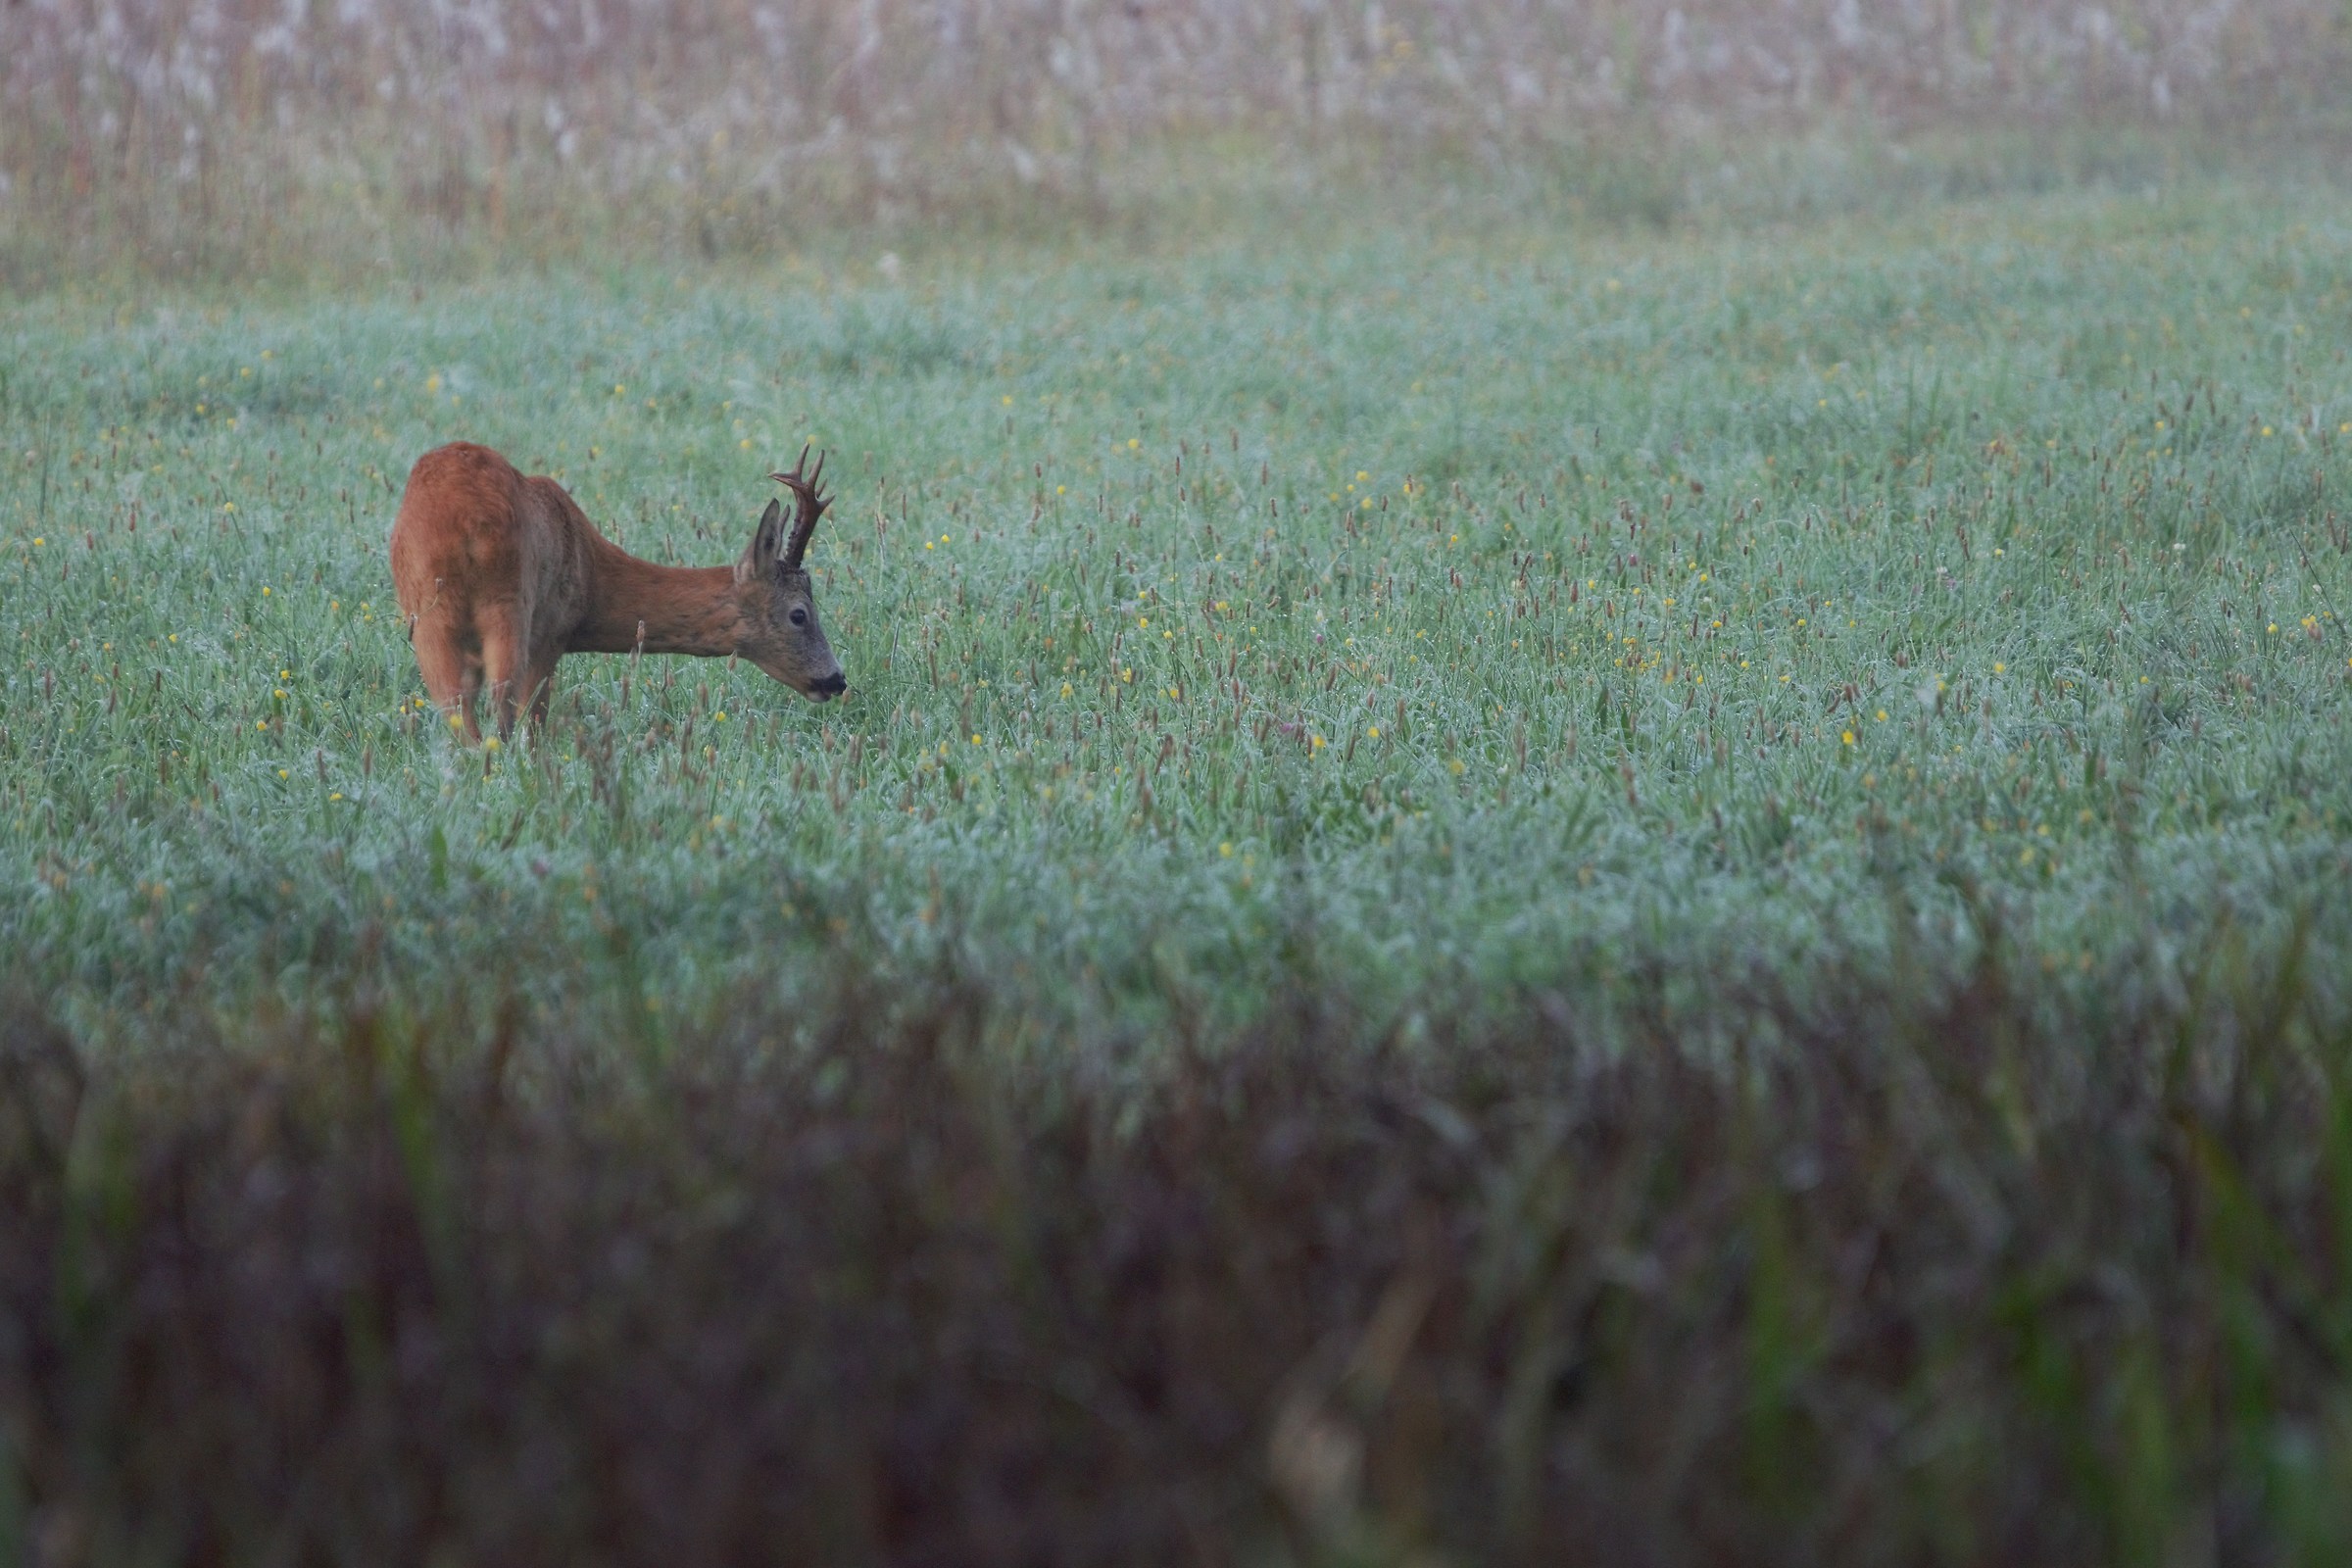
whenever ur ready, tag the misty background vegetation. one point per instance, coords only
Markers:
(236, 137)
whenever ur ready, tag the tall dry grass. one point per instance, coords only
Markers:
(181, 134)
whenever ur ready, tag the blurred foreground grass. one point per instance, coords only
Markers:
(1896, 1266)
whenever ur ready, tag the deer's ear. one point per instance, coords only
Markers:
(765, 543)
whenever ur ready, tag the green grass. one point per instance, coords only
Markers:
(1428, 614)
(1678, 889)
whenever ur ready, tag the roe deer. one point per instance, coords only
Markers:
(501, 576)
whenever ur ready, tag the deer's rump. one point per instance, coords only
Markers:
(475, 539)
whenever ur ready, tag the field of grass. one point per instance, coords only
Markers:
(1473, 610)
(1907, 647)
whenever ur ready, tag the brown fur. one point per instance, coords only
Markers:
(501, 576)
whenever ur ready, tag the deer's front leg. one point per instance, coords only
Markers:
(538, 688)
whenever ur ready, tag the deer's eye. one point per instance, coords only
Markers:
(800, 616)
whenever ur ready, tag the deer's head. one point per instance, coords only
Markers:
(777, 612)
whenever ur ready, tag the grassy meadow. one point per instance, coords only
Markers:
(1492, 609)
(1682, 888)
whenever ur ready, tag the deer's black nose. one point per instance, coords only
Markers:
(832, 685)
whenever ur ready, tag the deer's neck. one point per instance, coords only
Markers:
(681, 610)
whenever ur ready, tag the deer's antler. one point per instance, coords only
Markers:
(810, 503)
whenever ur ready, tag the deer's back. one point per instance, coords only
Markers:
(474, 533)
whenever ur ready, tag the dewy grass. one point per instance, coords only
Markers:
(1420, 613)
(1104, 515)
